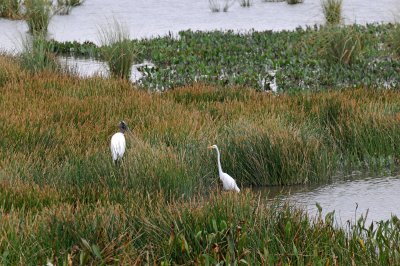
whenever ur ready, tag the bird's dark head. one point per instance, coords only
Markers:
(123, 126)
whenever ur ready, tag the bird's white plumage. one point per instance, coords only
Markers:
(228, 183)
(118, 146)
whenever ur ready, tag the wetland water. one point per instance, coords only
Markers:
(379, 195)
(147, 18)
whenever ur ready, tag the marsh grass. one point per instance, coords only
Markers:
(38, 14)
(10, 9)
(340, 45)
(215, 5)
(332, 10)
(63, 200)
(394, 40)
(64, 7)
(38, 55)
(117, 50)
(293, 2)
(245, 3)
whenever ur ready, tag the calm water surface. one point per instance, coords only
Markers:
(147, 18)
(379, 195)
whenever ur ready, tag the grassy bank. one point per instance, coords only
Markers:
(59, 186)
(313, 58)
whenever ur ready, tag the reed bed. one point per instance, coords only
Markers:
(62, 199)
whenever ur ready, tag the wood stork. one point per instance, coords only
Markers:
(228, 182)
(118, 143)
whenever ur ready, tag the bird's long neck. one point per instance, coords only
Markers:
(219, 162)
(122, 130)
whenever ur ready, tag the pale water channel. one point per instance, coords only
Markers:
(149, 18)
(350, 197)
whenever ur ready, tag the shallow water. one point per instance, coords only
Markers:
(379, 195)
(147, 18)
(91, 67)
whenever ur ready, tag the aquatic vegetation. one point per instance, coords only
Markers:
(216, 6)
(245, 3)
(117, 49)
(232, 59)
(10, 9)
(332, 10)
(394, 40)
(293, 2)
(37, 16)
(64, 7)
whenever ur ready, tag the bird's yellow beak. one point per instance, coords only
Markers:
(210, 147)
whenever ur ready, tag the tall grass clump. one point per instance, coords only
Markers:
(38, 55)
(8, 70)
(394, 40)
(332, 10)
(38, 15)
(10, 9)
(340, 45)
(293, 2)
(64, 7)
(215, 5)
(245, 3)
(117, 50)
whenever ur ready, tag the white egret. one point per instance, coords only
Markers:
(228, 182)
(118, 143)
(272, 85)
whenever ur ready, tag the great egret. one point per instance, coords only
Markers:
(228, 182)
(118, 143)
